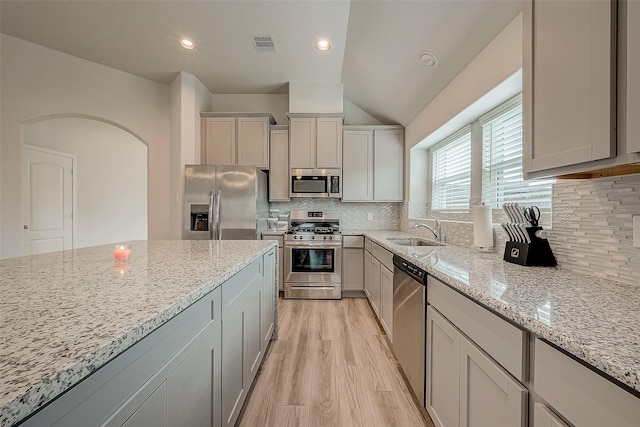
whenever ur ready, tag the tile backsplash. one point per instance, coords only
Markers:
(386, 216)
(593, 227)
(590, 229)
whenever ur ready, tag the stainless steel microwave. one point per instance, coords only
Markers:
(315, 183)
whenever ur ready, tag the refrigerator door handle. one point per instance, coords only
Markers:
(210, 218)
(218, 221)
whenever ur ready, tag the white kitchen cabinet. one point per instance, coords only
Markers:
(352, 263)
(580, 394)
(569, 82)
(386, 300)
(378, 282)
(442, 395)
(357, 166)
(219, 141)
(373, 163)
(375, 290)
(465, 387)
(279, 164)
(632, 94)
(352, 269)
(489, 395)
(368, 273)
(329, 143)
(235, 139)
(253, 141)
(388, 165)
(315, 142)
(544, 417)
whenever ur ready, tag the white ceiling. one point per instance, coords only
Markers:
(375, 54)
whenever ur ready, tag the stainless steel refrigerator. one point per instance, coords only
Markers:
(224, 202)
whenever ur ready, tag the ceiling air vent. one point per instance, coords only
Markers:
(263, 43)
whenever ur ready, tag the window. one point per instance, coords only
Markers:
(502, 160)
(451, 172)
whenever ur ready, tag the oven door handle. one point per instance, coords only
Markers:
(318, 245)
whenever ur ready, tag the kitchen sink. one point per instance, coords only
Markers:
(413, 242)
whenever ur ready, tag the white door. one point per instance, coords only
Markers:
(47, 200)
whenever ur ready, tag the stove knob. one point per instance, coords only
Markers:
(313, 237)
(325, 237)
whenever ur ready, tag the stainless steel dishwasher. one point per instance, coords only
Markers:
(409, 307)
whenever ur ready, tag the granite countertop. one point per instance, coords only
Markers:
(594, 319)
(65, 314)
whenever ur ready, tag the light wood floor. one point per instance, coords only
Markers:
(330, 366)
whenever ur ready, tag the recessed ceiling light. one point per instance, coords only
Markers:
(323, 45)
(187, 44)
(428, 59)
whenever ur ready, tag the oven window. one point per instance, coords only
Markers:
(312, 260)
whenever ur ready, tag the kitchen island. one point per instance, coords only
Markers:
(65, 315)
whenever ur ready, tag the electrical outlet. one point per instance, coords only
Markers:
(636, 231)
(370, 216)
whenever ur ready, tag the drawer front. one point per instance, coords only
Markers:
(383, 255)
(353, 241)
(503, 341)
(582, 396)
(367, 244)
(234, 289)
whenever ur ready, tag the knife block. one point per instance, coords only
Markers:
(537, 253)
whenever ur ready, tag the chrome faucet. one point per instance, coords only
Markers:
(437, 233)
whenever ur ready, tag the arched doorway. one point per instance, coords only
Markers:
(110, 176)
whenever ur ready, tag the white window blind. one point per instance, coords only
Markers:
(451, 172)
(502, 160)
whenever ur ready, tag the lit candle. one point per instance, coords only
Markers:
(122, 252)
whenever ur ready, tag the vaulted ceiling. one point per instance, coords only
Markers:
(376, 45)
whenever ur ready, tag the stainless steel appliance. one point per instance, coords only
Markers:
(409, 307)
(315, 183)
(313, 256)
(224, 202)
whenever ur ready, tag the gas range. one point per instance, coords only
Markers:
(313, 256)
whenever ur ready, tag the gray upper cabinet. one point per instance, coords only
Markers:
(632, 97)
(235, 138)
(315, 141)
(373, 164)
(569, 81)
(279, 164)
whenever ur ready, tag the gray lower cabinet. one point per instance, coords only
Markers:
(268, 300)
(368, 273)
(352, 269)
(241, 343)
(195, 370)
(152, 412)
(465, 387)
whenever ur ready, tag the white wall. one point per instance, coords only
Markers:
(38, 82)
(188, 98)
(500, 60)
(315, 97)
(276, 104)
(111, 176)
(354, 115)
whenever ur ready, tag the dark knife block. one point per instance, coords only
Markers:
(537, 253)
